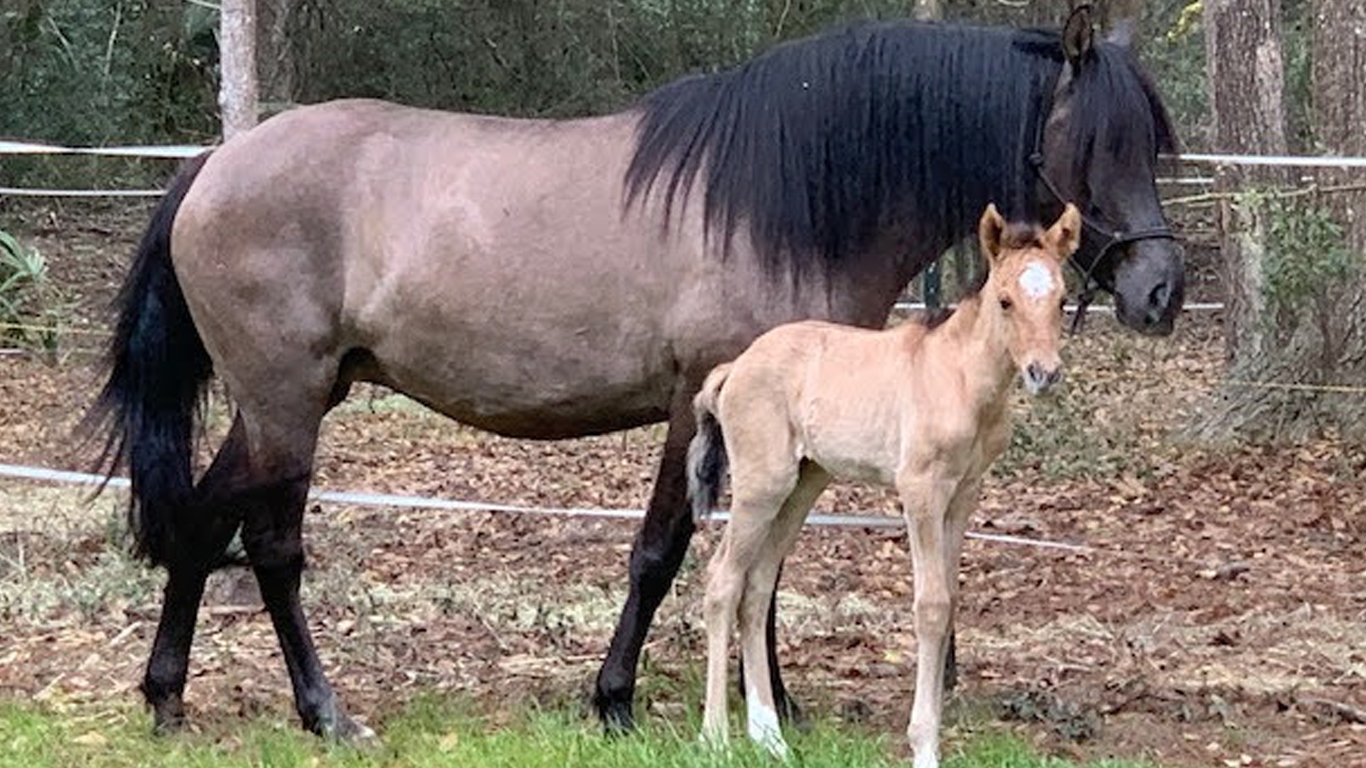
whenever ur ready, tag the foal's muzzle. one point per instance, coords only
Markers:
(1038, 379)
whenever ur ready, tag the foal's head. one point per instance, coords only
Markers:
(1026, 289)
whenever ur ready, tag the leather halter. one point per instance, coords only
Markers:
(1113, 237)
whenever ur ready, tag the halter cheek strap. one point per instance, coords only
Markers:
(1113, 238)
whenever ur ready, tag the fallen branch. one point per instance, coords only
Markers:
(1345, 712)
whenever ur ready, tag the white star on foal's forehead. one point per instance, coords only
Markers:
(1036, 280)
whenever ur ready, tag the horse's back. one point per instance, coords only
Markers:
(484, 264)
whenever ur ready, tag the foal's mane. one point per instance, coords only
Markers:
(821, 143)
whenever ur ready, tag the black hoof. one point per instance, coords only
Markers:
(616, 716)
(168, 717)
(792, 715)
(333, 724)
(348, 731)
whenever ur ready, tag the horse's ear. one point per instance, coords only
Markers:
(1077, 35)
(1065, 234)
(989, 231)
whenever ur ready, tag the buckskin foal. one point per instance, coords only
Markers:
(917, 408)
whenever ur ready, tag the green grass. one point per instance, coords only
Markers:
(438, 733)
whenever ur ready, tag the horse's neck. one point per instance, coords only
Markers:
(973, 342)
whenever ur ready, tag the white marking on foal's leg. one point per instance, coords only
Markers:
(1036, 281)
(925, 746)
(762, 722)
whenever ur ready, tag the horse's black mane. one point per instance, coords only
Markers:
(818, 144)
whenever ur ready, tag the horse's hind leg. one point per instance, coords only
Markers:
(210, 526)
(272, 532)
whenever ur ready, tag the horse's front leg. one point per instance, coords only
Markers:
(655, 558)
(925, 499)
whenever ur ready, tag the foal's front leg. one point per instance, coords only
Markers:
(925, 499)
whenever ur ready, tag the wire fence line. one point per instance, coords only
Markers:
(174, 151)
(401, 501)
(182, 151)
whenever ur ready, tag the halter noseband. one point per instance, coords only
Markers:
(1113, 238)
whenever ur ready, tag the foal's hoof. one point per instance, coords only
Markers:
(776, 747)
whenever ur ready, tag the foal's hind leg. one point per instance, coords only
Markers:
(655, 558)
(747, 534)
(757, 600)
(788, 710)
(203, 536)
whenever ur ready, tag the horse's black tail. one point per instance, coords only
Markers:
(707, 453)
(158, 370)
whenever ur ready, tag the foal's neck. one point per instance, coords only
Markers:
(973, 343)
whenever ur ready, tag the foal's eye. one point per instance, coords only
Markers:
(1006, 303)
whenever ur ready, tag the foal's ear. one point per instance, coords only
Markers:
(1077, 36)
(1065, 234)
(989, 231)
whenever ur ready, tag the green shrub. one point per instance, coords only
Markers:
(28, 307)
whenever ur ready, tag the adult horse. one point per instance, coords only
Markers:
(549, 279)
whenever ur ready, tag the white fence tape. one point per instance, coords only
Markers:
(361, 499)
(35, 148)
(1198, 306)
(1284, 161)
(36, 192)
(190, 150)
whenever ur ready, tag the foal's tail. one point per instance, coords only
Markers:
(158, 369)
(707, 453)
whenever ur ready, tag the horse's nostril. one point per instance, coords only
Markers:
(1159, 296)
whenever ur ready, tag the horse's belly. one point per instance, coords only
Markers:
(527, 388)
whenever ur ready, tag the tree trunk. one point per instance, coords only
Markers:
(237, 96)
(1339, 45)
(1339, 73)
(275, 59)
(1296, 280)
(1246, 85)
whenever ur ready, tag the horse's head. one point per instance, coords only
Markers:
(1025, 289)
(1099, 147)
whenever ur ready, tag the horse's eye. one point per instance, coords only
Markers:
(1006, 303)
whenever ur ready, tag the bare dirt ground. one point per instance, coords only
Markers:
(1220, 618)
